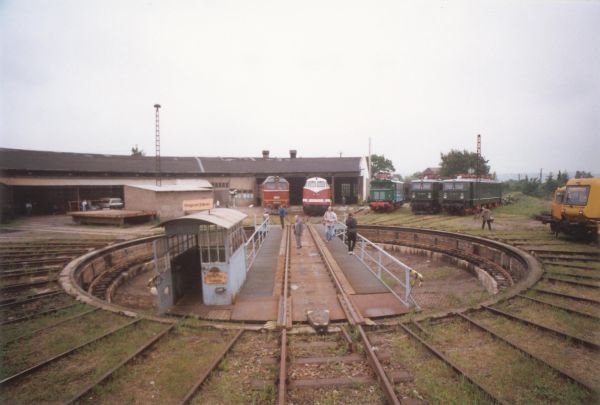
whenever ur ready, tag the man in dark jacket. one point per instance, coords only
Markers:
(282, 216)
(351, 232)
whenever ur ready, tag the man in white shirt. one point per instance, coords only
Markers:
(329, 219)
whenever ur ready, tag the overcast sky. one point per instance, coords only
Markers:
(236, 77)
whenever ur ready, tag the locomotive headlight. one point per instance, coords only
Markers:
(428, 195)
(413, 195)
(445, 195)
(462, 196)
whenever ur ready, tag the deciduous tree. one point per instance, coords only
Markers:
(456, 162)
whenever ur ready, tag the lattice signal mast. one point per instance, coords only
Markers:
(157, 144)
(478, 156)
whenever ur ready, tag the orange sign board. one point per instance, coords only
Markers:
(215, 276)
(197, 205)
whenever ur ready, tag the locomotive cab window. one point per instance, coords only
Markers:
(311, 184)
(321, 183)
(577, 195)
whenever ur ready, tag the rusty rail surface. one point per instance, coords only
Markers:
(31, 298)
(451, 364)
(591, 345)
(560, 307)
(553, 278)
(36, 331)
(527, 353)
(38, 314)
(573, 297)
(110, 372)
(65, 353)
(388, 388)
(204, 376)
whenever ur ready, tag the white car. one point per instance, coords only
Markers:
(111, 203)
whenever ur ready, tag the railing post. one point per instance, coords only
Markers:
(407, 286)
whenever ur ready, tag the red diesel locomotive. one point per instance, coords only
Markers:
(316, 196)
(275, 192)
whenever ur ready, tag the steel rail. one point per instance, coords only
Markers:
(13, 264)
(351, 314)
(574, 297)
(204, 376)
(582, 341)
(110, 372)
(451, 364)
(527, 353)
(554, 252)
(569, 265)
(11, 287)
(584, 276)
(282, 379)
(33, 273)
(32, 255)
(31, 298)
(572, 282)
(35, 332)
(282, 385)
(38, 314)
(283, 315)
(65, 353)
(388, 388)
(30, 270)
(574, 311)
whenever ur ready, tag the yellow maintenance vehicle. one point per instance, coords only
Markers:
(576, 208)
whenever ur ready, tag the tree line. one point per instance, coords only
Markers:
(455, 163)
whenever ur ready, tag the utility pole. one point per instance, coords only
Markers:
(157, 144)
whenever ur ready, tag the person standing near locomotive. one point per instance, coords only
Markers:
(329, 219)
(281, 212)
(486, 216)
(298, 229)
(351, 225)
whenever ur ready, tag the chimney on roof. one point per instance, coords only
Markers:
(293, 153)
(265, 154)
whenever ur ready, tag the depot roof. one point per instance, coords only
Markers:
(19, 160)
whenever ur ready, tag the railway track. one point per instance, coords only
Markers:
(539, 346)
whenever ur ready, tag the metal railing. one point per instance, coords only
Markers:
(382, 264)
(253, 244)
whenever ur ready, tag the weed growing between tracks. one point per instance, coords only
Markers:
(573, 324)
(560, 352)
(506, 372)
(165, 371)
(26, 353)
(60, 380)
(583, 306)
(434, 380)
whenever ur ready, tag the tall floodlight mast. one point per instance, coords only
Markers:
(157, 144)
(477, 174)
(478, 156)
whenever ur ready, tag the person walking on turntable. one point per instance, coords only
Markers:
(298, 229)
(282, 213)
(329, 219)
(351, 225)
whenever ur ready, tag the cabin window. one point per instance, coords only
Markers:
(346, 189)
(311, 184)
(322, 183)
(560, 195)
(577, 195)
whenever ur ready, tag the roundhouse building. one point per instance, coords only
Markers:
(56, 182)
